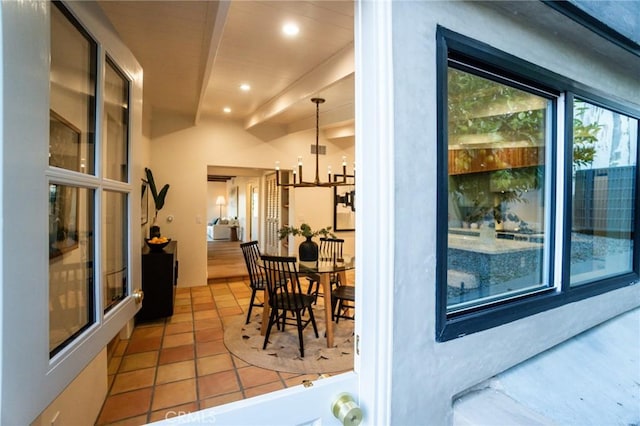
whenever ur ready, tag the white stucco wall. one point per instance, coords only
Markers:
(181, 159)
(442, 370)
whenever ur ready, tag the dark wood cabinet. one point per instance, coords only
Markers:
(159, 280)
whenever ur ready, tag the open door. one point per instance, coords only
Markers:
(369, 383)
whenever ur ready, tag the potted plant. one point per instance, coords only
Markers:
(158, 201)
(308, 249)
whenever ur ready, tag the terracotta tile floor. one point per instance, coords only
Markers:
(180, 364)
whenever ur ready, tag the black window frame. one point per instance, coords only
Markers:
(519, 73)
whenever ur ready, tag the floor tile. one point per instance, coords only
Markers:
(210, 348)
(181, 309)
(131, 421)
(174, 340)
(253, 376)
(225, 312)
(175, 371)
(218, 384)
(143, 345)
(176, 393)
(181, 327)
(209, 334)
(214, 364)
(172, 414)
(207, 323)
(222, 399)
(124, 405)
(132, 380)
(203, 306)
(146, 332)
(178, 365)
(138, 361)
(201, 315)
(175, 354)
(187, 316)
(262, 389)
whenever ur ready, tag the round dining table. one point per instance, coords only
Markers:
(323, 268)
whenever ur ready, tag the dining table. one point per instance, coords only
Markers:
(322, 268)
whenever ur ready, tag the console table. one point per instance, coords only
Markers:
(159, 280)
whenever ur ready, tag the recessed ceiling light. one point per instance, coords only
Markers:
(245, 87)
(290, 29)
(226, 110)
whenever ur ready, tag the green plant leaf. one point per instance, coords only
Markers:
(161, 196)
(158, 197)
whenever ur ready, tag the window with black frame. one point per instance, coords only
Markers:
(497, 137)
(539, 212)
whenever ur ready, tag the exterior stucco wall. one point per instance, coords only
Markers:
(442, 370)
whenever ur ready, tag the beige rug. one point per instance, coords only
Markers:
(283, 353)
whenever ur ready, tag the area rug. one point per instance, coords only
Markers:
(283, 353)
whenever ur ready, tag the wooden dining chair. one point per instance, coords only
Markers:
(329, 249)
(343, 302)
(286, 298)
(257, 278)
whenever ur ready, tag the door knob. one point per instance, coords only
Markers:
(346, 410)
(138, 295)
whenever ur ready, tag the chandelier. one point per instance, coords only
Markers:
(298, 182)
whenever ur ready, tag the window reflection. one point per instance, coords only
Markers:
(71, 218)
(72, 90)
(116, 123)
(604, 168)
(115, 253)
(497, 136)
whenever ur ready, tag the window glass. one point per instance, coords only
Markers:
(115, 253)
(72, 101)
(497, 137)
(116, 123)
(603, 192)
(71, 260)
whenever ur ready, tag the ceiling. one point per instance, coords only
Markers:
(196, 54)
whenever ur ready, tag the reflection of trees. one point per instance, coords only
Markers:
(488, 115)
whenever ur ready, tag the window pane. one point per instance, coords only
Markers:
(114, 244)
(604, 169)
(497, 136)
(72, 88)
(116, 123)
(71, 259)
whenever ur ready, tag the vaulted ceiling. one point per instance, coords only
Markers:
(197, 54)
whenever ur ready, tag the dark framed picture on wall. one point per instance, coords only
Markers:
(64, 143)
(144, 204)
(344, 207)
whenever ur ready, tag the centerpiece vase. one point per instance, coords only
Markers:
(308, 251)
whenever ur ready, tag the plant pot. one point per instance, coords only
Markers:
(154, 231)
(308, 251)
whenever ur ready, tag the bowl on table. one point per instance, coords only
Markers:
(157, 244)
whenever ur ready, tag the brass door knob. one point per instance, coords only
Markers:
(345, 409)
(138, 295)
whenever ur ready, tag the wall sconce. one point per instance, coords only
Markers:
(348, 199)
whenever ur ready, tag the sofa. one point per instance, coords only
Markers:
(220, 229)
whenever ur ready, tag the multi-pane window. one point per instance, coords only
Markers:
(537, 189)
(78, 187)
(71, 203)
